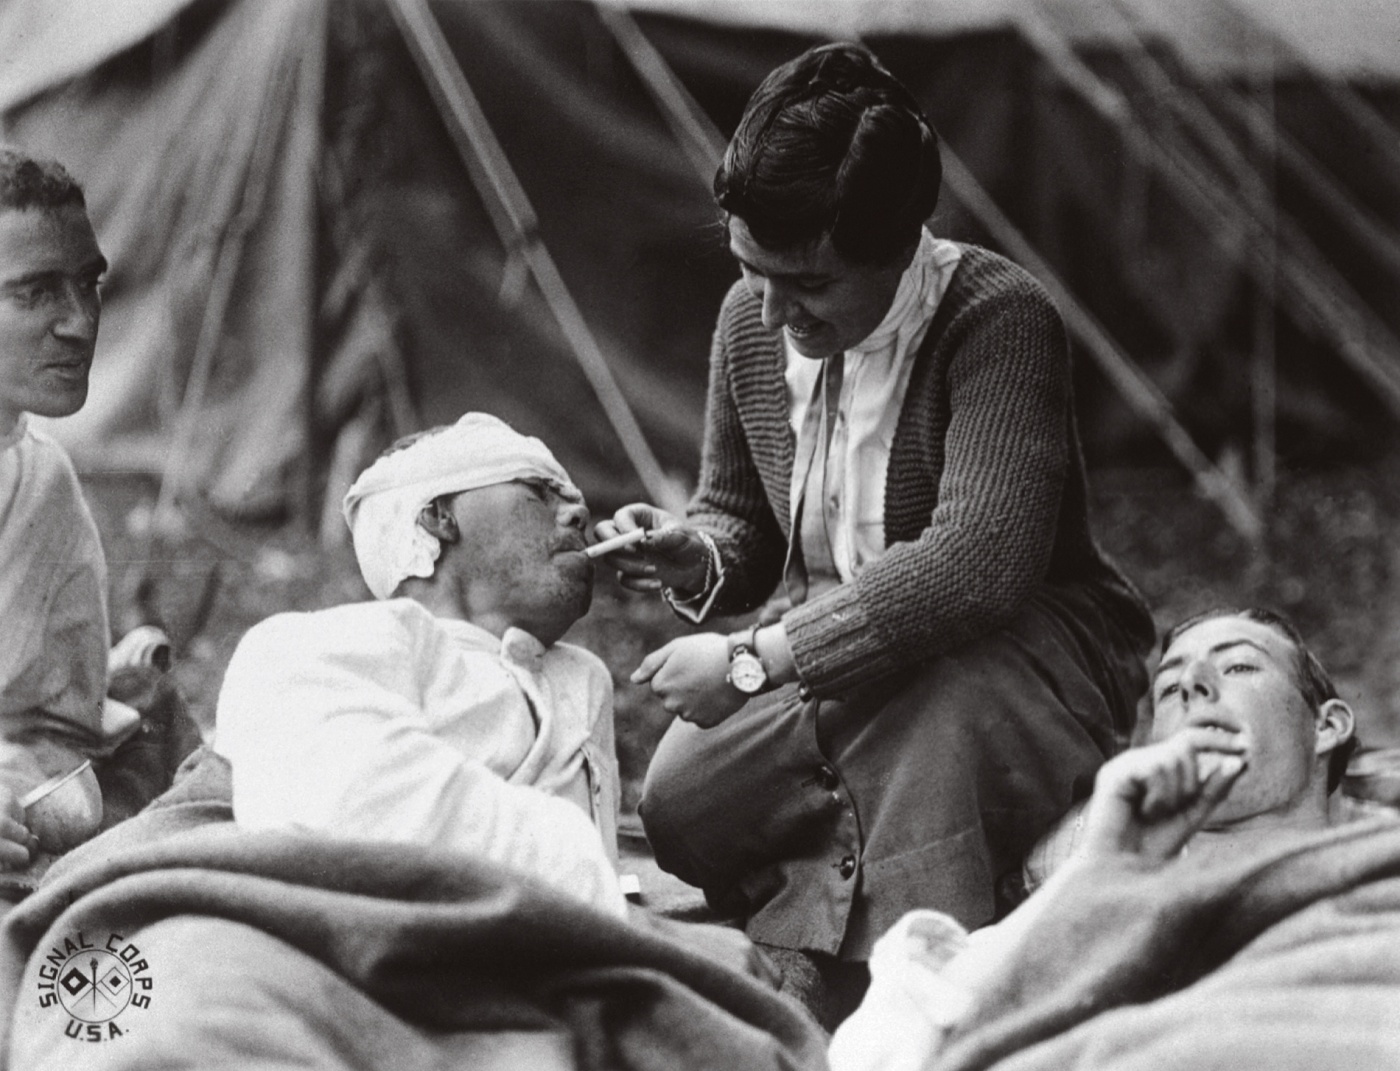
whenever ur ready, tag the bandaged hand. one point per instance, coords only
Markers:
(1149, 801)
(690, 676)
(672, 556)
(17, 843)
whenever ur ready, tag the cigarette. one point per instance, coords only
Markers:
(52, 784)
(1208, 762)
(617, 542)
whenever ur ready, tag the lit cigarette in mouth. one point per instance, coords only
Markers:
(52, 784)
(617, 542)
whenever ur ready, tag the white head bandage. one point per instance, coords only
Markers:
(382, 506)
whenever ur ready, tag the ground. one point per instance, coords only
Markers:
(1332, 562)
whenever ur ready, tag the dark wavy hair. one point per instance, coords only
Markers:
(832, 144)
(1313, 681)
(28, 182)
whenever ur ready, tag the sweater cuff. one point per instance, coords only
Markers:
(695, 608)
(834, 643)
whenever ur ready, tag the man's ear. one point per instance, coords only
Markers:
(1335, 724)
(437, 520)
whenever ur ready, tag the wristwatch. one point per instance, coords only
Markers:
(746, 670)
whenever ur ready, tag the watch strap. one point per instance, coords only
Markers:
(744, 640)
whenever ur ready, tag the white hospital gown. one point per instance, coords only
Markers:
(380, 721)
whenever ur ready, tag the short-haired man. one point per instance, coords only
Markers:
(53, 576)
(1248, 678)
(446, 713)
(1249, 742)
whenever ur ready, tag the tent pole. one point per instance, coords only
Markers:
(1139, 391)
(1061, 62)
(1130, 382)
(699, 137)
(1376, 235)
(313, 76)
(1314, 293)
(518, 227)
(1264, 363)
(1363, 116)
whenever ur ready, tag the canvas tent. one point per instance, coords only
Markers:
(311, 253)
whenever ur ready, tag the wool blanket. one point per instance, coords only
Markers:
(177, 939)
(1286, 958)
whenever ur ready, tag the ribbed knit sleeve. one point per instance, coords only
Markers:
(731, 502)
(986, 423)
(985, 496)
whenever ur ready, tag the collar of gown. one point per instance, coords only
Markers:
(515, 645)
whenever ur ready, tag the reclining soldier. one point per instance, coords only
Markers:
(445, 713)
(1249, 745)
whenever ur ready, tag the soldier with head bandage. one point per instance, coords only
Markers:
(383, 505)
(446, 712)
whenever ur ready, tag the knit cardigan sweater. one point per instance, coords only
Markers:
(985, 496)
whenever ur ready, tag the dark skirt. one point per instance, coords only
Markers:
(823, 821)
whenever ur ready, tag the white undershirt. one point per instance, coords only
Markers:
(877, 374)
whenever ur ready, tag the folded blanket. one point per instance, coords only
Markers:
(1284, 958)
(177, 939)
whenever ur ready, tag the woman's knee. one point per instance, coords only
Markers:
(695, 809)
(673, 792)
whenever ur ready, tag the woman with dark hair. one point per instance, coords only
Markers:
(890, 443)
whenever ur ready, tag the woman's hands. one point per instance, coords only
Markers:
(672, 556)
(690, 676)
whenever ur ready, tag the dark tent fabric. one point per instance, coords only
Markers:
(165, 138)
(302, 267)
(1166, 282)
(1354, 39)
(631, 227)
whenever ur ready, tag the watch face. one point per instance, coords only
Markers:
(746, 673)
